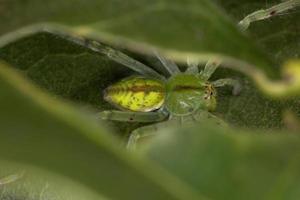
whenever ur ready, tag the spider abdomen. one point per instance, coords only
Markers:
(136, 94)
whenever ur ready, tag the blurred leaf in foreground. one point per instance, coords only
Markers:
(41, 132)
(230, 164)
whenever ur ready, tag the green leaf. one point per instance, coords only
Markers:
(223, 163)
(40, 135)
(191, 28)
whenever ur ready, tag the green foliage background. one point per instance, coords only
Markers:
(57, 138)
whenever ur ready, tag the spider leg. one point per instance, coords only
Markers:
(168, 65)
(147, 131)
(129, 62)
(203, 116)
(267, 13)
(151, 130)
(128, 116)
(237, 87)
(210, 68)
(60, 31)
(192, 67)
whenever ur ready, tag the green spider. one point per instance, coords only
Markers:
(175, 98)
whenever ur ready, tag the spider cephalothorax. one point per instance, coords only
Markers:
(187, 93)
(151, 97)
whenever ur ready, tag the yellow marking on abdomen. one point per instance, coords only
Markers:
(136, 94)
